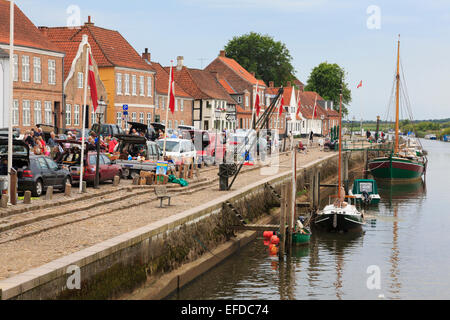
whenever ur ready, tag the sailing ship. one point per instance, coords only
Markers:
(340, 216)
(407, 161)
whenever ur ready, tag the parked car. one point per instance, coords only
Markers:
(71, 159)
(209, 145)
(179, 150)
(34, 172)
(105, 130)
(132, 147)
(148, 131)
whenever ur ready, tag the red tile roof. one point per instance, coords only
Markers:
(109, 47)
(307, 99)
(200, 84)
(233, 64)
(162, 82)
(26, 34)
(227, 86)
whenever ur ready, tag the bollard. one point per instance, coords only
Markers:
(136, 180)
(49, 193)
(84, 187)
(27, 197)
(68, 190)
(129, 189)
(116, 181)
(5, 199)
(13, 187)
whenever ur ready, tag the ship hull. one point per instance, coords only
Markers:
(396, 169)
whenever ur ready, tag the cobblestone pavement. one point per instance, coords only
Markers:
(95, 220)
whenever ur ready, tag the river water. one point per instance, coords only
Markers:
(403, 253)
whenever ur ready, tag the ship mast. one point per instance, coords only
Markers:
(340, 146)
(397, 96)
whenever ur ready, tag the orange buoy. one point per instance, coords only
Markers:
(273, 249)
(266, 242)
(268, 234)
(275, 240)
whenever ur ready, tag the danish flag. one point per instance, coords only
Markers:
(93, 84)
(171, 92)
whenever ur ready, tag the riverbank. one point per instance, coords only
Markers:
(125, 262)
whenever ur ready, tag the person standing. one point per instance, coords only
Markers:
(311, 138)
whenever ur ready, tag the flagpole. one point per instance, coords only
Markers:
(11, 92)
(167, 107)
(84, 117)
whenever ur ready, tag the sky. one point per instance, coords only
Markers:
(360, 36)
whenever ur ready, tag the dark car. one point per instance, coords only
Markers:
(106, 130)
(34, 172)
(41, 173)
(148, 131)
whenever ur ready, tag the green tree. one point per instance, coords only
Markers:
(270, 60)
(327, 80)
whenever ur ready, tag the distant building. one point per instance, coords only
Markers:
(38, 72)
(128, 78)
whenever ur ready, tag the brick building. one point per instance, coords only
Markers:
(183, 101)
(38, 72)
(244, 85)
(128, 78)
(213, 107)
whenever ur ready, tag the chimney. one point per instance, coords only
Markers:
(89, 22)
(180, 61)
(222, 53)
(288, 84)
(146, 55)
(44, 30)
(253, 74)
(270, 84)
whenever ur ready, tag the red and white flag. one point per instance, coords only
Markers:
(171, 92)
(281, 106)
(257, 106)
(359, 85)
(92, 84)
(315, 108)
(299, 105)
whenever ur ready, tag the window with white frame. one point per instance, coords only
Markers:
(48, 112)
(246, 101)
(163, 103)
(119, 83)
(156, 102)
(68, 115)
(16, 67)
(37, 112)
(177, 101)
(15, 117)
(76, 115)
(149, 119)
(25, 68)
(51, 72)
(133, 117)
(175, 124)
(119, 118)
(149, 86)
(181, 105)
(141, 117)
(182, 122)
(142, 85)
(80, 80)
(239, 99)
(133, 85)
(37, 70)
(26, 113)
(170, 124)
(127, 84)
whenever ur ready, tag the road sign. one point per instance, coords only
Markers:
(125, 107)
(125, 113)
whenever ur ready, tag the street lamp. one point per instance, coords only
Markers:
(101, 110)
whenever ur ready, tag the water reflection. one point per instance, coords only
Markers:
(334, 266)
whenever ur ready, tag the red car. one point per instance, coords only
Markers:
(108, 170)
(209, 145)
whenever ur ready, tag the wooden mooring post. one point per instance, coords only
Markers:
(289, 216)
(282, 222)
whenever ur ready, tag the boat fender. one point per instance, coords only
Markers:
(274, 240)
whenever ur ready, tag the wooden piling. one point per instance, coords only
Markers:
(282, 222)
(312, 188)
(116, 181)
(49, 193)
(289, 217)
(13, 187)
(27, 197)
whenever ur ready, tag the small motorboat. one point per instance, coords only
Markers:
(365, 191)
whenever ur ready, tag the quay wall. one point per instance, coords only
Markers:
(145, 256)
